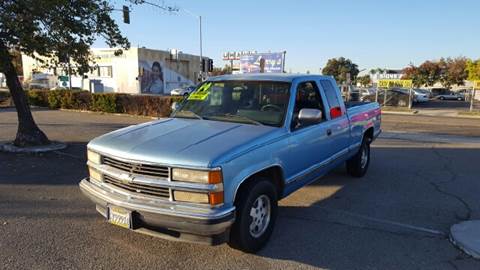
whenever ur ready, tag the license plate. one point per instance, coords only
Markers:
(119, 216)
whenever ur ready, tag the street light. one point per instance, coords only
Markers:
(199, 17)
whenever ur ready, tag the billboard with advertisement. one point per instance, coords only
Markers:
(262, 63)
(158, 78)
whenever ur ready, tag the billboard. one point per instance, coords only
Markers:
(158, 78)
(262, 63)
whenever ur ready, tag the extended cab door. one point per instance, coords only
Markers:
(309, 145)
(338, 124)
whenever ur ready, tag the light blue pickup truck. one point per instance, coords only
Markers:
(215, 170)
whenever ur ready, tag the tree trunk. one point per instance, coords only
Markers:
(28, 133)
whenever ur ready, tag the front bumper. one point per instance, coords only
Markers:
(162, 218)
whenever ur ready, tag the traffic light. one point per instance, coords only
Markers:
(126, 15)
(204, 64)
(210, 65)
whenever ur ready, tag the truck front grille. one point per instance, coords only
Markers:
(139, 188)
(137, 168)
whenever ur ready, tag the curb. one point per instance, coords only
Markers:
(54, 146)
(465, 236)
(116, 114)
(400, 112)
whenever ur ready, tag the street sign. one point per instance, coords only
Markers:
(63, 78)
(476, 84)
(395, 83)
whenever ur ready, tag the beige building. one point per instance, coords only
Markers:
(136, 71)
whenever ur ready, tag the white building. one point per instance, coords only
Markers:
(135, 71)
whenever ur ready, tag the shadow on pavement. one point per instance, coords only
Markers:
(411, 185)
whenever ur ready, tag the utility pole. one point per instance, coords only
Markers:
(472, 97)
(201, 56)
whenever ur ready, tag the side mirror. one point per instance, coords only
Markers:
(309, 116)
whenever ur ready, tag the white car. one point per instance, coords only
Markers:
(420, 95)
(185, 91)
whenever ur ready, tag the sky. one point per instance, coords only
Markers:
(385, 34)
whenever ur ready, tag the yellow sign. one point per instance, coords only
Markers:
(476, 84)
(201, 93)
(395, 83)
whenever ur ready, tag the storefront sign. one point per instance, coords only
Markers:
(395, 83)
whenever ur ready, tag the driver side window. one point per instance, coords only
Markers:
(307, 97)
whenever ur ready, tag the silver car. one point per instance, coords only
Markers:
(185, 91)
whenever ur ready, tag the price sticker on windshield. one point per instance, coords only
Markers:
(201, 93)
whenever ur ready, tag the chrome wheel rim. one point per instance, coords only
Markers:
(364, 157)
(260, 213)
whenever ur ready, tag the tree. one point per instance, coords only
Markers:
(227, 69)
(412, 73)
(453, 71)
(473, 70)
(429, 73)
(364, 80)
(339, 68)
(49, 31)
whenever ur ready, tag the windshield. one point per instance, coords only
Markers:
(250, 102)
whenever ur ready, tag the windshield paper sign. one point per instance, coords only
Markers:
(201, 93)
(262, 63)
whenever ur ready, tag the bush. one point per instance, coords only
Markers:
(5, 99)
(55, 98)
(147, 105)
(37, 97)
(104, 102)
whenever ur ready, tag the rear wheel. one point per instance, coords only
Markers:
(357, 165)
(255, 217)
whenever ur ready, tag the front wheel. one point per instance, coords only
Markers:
(255, 217)
(357, 165)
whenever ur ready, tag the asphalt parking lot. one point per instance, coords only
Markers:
(423, 178)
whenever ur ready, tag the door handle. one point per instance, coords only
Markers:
(329, 132)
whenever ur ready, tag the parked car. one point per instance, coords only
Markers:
(215, 170)
(395, 97)
(439, 91)
(451, 96)
(420, 95)
(363, 92)
(185, 91)
(350, 93)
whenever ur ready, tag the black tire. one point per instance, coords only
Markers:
(442, 98)
(355, 166)
(240, 236)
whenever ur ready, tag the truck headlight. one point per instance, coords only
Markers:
(94, 157)
(197, 176)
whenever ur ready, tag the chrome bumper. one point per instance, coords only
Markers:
(164, 218)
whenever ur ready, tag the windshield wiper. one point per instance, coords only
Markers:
(190, 114)
(239, 117)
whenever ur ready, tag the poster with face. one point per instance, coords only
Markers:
(157, 78)
(152, 81)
